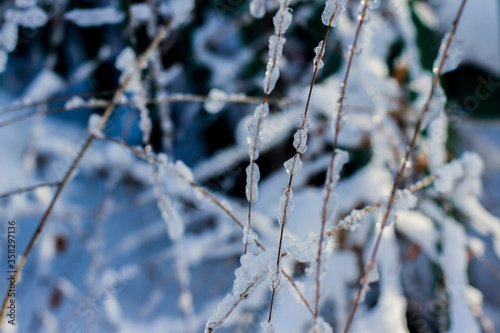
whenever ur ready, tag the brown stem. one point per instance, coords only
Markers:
(328, 186)
(399, 176)
(259, 124)
(303, 126)
(28, 189)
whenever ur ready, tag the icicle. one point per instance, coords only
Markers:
(453, 57)
(286, 205)
(333, 7)
(294, 165)
(300, 140)
(436, 106)
(252, 183)
(258, 8)
(272, 68)
(318, 59)
(215, 101)
(255, 130)
(267, 326)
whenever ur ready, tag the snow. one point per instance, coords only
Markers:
(178, 10)
(141, 12)
(332, 7)
(3, 60)
(9, 35)
(31, 17)
(405, 200)
(216, 100)
(321, 327)
(74, 102)
(94, 17)
(258, 8)
(282, 20)
(267, 326)
(25, 3)
(94, 126)
(126, 62)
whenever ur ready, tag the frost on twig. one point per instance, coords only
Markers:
(451, 60)
(333, 10)
(94, 128)
(249, 275)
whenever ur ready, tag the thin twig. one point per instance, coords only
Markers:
(152, 158)
(399, 176)
(28, 189)
(172, 98)
(259, 124)
(330, 178)
(302, 127)
(414, 188)
(73, 166)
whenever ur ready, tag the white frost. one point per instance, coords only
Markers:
(256, 129)
(272, 68)
(286, 205)
(267, 326)
(215, 101)
(333, 7)
(282, 20)
(436, 106)
(74, 102)
(318, 58)
(294, 165)
(252, 183)
(300, 140)
(94, 125)
(453, 56)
